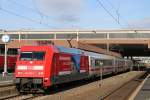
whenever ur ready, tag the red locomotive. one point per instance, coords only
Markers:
(40, 67)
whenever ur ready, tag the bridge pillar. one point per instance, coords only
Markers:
(148, 43)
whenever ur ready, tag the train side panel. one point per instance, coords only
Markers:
(98, 62)
(69, 67)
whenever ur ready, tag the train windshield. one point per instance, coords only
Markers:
(32, 55)
(38, 55)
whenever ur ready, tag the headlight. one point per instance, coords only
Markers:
(40, 73)
(19, 73)
(22, 67)
(37, 67)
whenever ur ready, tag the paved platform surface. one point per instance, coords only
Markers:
(9, 77)
(144, 93)
(95, 90)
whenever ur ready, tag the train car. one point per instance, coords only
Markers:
(40, 67)
(138, 65)
(98, 62)
(128, 64)
(11, 59)
(108, 64)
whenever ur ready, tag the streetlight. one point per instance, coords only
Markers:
(5, 38)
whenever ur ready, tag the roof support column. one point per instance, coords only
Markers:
(148, 43)
(107, 42)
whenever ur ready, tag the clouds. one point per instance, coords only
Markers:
(140, 24)
(61, 10)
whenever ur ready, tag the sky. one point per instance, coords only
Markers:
(74, 14)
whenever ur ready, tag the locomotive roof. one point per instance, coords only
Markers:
(69, 50)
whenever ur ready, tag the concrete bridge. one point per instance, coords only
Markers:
(127, 42)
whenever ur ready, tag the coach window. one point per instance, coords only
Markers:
(92, 62)
(2, 50)
(98, 61)
(108, 62)
(12, 51)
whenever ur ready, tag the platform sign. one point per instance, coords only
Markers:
(5, 38)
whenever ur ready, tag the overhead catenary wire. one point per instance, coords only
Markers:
(115, 19)
(24, 17)
(32, 9)
(21, 5)
(43, 16)
(117, 12)
(112, 6)
(35, 9)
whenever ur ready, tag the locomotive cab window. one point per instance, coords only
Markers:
(32, 55)
(38, 55)
(26, 56)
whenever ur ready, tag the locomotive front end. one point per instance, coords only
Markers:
(30, 69)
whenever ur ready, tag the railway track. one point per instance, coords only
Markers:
(7, 89)
(125, 91)
(6, 83)
(17, 96)
(23, 97)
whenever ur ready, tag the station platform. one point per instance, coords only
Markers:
(8, 77)
(144, 92)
